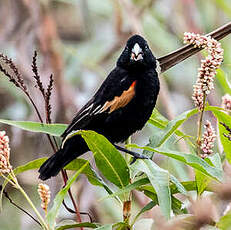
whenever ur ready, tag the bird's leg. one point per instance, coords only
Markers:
(134, 154)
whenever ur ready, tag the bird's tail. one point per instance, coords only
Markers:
(54, 164)
(73, 148)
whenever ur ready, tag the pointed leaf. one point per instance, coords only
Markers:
(35, 164)
(91, 174)
(222, 78)
(53, 212)
(146, 208)
(178, 185)
(189, 159)
(128, 188)
(67, 224)
(159, 121)
(159, 178)
(173, 125)
(108, 159)
(224, 118)
(225, 222)
(52, 129)
(203, 180)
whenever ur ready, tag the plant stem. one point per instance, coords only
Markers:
(20, 208)
(43, 223)
(128, 142)
(200, 122)
(65, 178)
(8, 180)
(127, 211)
(17, 185)
(127, 200)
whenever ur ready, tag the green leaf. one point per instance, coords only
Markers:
(146, 208)
(159, 121)
(193, 161)
(178, 185)
(91, 174)
(174, 124)
(226, 143)
(223, 80)
(177, 205)
(52, 129)
(225, 222)
(159, 178)
(35, 164)
(203, 180)
(75, 165)
(67, 224)
(53, 212)
(188, 186)
(108, 159)
(128, 188)
(189, 159)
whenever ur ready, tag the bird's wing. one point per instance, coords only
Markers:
(115, 92)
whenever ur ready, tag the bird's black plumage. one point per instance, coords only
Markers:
(120, 107)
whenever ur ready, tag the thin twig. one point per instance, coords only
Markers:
(17, 206)
(18, 82)
(65, 178)
(46, 96)
(73, 212)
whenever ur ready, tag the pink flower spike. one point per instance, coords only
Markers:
(226, 102)
(5, 166)
(44, 193)
(207, 71)
(208, 139)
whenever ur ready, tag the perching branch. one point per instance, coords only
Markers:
(179, 55)
(134, 154)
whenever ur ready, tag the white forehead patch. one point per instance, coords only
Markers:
(136, 49)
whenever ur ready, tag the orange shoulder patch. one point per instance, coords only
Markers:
(122, 100)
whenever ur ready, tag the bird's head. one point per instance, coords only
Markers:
(136, 54)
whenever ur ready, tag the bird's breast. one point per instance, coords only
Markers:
(128, 119)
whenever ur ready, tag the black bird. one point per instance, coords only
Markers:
(121, 106)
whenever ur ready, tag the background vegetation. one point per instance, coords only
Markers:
(79, 42)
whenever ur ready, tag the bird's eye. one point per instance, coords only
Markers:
(126, 48)
(146, 47)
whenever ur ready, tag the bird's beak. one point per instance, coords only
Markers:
(137, 53)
